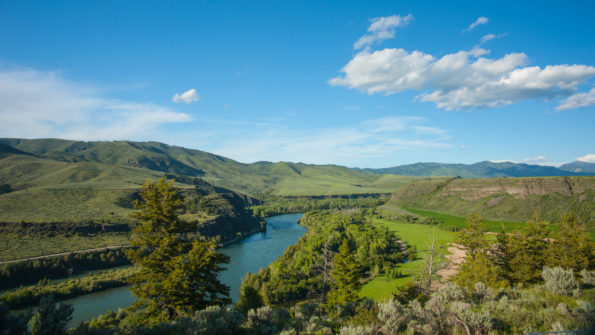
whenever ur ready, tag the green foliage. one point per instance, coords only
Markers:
(559, 281)
(299, 273)
(13, 324)
(275, 205)
(50, 318)
(63, 266)
(70, 288)
(477, 268)
(473, 236)
(448, 310)
(528, 251)
(346, 276)
(249, 299)
(572, 247)
(176, 275)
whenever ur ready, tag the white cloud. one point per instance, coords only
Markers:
(534, 160)
(465, 79)
(590, 158)
(186, 97)
(382, 28)
(370, 143)
(480, 20)
(490, 37)
(578, 100)
(43, 104)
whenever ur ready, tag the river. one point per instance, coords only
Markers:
(249, 255)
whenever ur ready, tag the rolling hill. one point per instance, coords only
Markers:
(506, 199)
(281, 178)
(484, 170)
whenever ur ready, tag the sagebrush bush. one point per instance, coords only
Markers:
(588, 277)
(559, 281)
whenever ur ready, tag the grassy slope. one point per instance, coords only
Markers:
(46, 190)
(382, 288)
(13, 246)
(281, 178)
(502, 199)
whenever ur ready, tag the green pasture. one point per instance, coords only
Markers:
(382, 288)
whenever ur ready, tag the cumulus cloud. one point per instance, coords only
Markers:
(590, 158)
(382, 28)
(480, 20)
(578, 100)
(44, 104)
(464, 79)
(186, 97)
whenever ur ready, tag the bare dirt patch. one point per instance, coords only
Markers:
(455, 260)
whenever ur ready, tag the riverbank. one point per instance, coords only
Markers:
(248, 254)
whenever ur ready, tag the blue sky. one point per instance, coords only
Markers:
(366, 84)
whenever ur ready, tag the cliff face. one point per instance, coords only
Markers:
(520, 188)
(514, 199)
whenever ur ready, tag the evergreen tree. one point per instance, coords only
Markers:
(346, 276)
(249, 299)
(472, 237)
(177, 275)
(528, 251)
(478, 268)
(572, 247)
(500, 254)
(51, 318)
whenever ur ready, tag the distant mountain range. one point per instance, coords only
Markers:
(489, 170)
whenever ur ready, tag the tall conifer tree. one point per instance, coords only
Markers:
(177, 275)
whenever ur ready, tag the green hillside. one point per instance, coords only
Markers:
(278, 178)
(506, 199)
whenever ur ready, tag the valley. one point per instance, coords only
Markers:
(60, 198)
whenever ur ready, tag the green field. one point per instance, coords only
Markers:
(16, 246)
(459, 221)
(382, 288)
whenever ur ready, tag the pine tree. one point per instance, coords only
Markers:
(500, 254)
(472, 237)
(249, 299)
(177, 275)
(346, 276)
(478, 268)
(528, 251)
(572, 248)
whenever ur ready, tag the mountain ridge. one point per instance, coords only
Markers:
(282, 178)
(484, 169)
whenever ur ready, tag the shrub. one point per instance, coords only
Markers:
(559, 281)
(588, 277)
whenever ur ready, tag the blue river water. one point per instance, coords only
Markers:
(249, 255)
